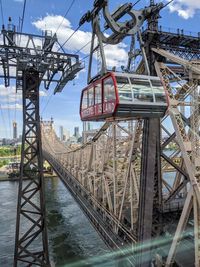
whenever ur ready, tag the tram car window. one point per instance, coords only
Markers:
(124, 89)
(160, 95)
(109, 89)
(85, 99)
(142, 90)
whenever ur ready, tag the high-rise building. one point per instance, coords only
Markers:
(14, 130)
(66, 135)
(61, 132)
(76, 132)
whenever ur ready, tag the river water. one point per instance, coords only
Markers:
(72, 240)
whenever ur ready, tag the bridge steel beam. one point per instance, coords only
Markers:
(150, 190)
(31, 245)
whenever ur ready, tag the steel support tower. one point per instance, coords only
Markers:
(34, 60)
(187, 47)
(31, 201)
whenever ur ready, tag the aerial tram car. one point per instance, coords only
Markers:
(123, 95)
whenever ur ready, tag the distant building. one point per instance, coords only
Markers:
(88, 132)
(76, 132)
(14, 130)
(61, 132)
(66, 135)
(71, 140)
(4, 142)
(20, 138)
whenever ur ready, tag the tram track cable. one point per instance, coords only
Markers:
(66, 13)
(2, 13)
(47, 103)
(9, 115)
(79, 50)
(61, 47)
(23, 15)
(3, 120)
(22, 21)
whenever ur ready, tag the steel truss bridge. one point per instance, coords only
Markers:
(104, 175)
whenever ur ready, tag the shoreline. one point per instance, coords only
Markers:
(6, 179)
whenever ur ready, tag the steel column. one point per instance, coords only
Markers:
(31, 244)
(149, 189)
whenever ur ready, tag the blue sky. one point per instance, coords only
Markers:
(48, 14)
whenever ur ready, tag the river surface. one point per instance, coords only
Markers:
(72, 240)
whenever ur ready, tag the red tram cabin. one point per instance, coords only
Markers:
(122, 95)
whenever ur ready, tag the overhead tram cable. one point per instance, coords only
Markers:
(79, 50)
(2, 13)
(47, 103)
(62, 46)
(23, 14)
(9, 116)
(86, 17)
(3, 120)
(66, 13)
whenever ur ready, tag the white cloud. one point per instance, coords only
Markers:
(12, 106)
(115, 55)
(185, 8)
(43, 93)
(9, 93)
(10, 99)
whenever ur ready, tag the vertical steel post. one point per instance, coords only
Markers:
(115, 181)
(149, 199)
(31, 244)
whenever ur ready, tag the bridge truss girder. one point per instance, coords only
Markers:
(186, 95)
(108, 168)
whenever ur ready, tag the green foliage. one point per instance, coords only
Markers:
(4, 162)
(7, 151)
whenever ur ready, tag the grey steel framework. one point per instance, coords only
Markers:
(32, 245)
(30, 60)
(104, 176)
(120, 176)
